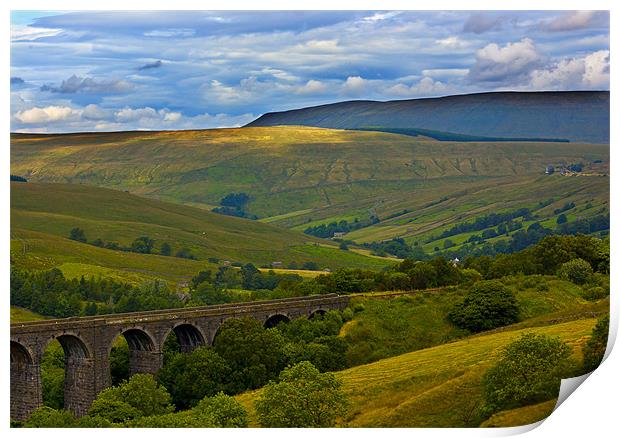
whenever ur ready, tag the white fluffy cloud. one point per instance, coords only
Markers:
(49, 114)
(312, 87)
(355, 86)
(508, 63)
(590, 71)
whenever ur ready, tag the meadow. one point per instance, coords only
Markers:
(42, 216)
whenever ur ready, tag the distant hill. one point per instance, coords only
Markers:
(43, 214)
(577, 116)
(298, 177)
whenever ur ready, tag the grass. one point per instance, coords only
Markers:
(43, 214)
(300, 175)
(520, 416)
(386, 326)
(19, 314)
(434, 387)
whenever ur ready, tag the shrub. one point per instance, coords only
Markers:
(529, 371)
(191, 377)
(224, 410)
(594, 350)
(137, 397)
(489, 304)
(302, 398)
(49, 417)
(577, 271)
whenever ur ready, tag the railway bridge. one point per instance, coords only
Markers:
(87, 342)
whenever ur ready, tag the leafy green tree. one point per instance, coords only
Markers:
(139, 396)
(113, 410)
(165, 249)
(529, 371)
(185, 253)
(53, 376)
(77, 234)
(191, 377)
(254, 354)
(119, 363)
(489, 304)
(143, 245)
(49, 417)
(224, 409)
(577, 271)
(343, 246)
(303, 397)
(594, 350)
(423, 276)
(181, 419)
(561, 219)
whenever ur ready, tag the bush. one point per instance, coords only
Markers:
(594, 350)
(595, 293)
(225, 411)
(488, 305)
(77, 234)
(140, 396)
(577, 271)
(529, 371)
(302, 398)
(191, 377)
(49, 417)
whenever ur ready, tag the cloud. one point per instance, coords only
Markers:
(355, 86)
(576, 20)
(312, 87)
(427, 86)
(480, 23)
(170, 33)
(48, 114)
(452, 42)
(29, 33)
(151, 65)
(76, 84)
(510, 63)
(16, 80)
(590, 71)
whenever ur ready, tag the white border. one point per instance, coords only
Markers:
(591, 410)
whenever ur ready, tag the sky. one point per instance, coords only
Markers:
(110, 71)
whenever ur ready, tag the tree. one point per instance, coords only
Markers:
(577, 271)
(448, 244)
(185, 253)
(529, 371)
(112, 410)
(139, 396)
(77, 234)
(224, 410)
(142, 245)
(343, 246)
(594, 350)
(561, 219)
(49, 417)
(302, 398)
(191, 377)
(254, 354)
(489, 304)
(165, 249)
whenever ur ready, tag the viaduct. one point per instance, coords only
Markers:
(87, 342)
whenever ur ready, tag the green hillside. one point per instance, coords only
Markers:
(42, 216)
(301, 176)
(438, 386)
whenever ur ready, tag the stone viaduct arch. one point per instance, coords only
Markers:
(87, 343)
